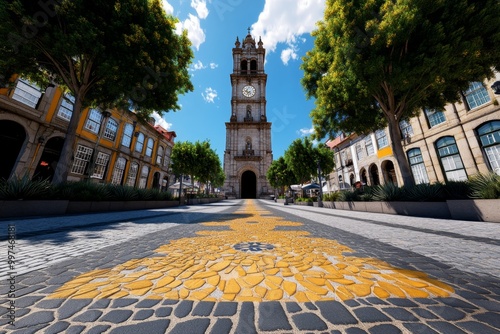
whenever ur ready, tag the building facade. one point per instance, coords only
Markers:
(112, 146)
(441, 145)
(248, 152)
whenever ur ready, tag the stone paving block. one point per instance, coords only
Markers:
(455, 302)
(88, 316)
(36, 318)
(447, 312)
(99, 329)
(445, 327)
(400, 314)
(472, 327)
(308, 322)
(385, 329)
(123, 302)
(222, 326)
(27, 301)
(370, 314)
(489, 305)
(246, 321)
(351, 303)
(195, 326)
(163, 312)
(100, 303)
(354, 330)
(77, 329)
(183, 309)
(32, 330)
(272, 317)
(310, 306)
(20, 292)
(225, 309)
(147, 303)
(336, 313)
(419, 328)
(143, 314)
(117, 316)
(401, 302)
(490, 318)
(293, 307)
(423, 313)
(203, 309)
(58, 327)
(149, 327)
(72, 306)
(376, 301)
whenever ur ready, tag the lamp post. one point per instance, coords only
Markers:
(320, 197)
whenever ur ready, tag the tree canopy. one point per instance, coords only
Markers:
(105, 53)
(378, 62)
(280, 175)
(302, 158)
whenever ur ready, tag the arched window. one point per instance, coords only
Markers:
(118, 171)
(127, 135)
(139, 144)
(476, 95)
(243, 67)
(417, 166)
(66, 107)
(159, 155)
(94, 121)
(143, 181)
(149, 147)
(451, 161)
(253, 66)
(132, 174)
(489, 135)
(111, 128)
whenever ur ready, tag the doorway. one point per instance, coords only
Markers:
(49, 158)
(248, 185)
(12, 138)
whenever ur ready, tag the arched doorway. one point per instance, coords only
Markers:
(49, 158)
(374, 175)
(248, 185)
(156, 181)
(389, 172)
(364, 177)
(12, 137)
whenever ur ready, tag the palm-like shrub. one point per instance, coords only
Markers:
(485, 186)
(388, 192)
(350, 196)
(122, 193)
(23, 188)
(457, 190)
(425, 192)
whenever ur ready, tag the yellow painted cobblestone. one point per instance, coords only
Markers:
(229, 265)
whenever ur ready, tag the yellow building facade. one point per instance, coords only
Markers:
(112, 146)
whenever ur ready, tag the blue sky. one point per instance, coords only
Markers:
(213, 25)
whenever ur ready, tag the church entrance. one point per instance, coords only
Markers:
(248, 185)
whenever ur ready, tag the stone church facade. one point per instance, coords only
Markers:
(248, 152)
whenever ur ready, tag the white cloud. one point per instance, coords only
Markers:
(198, 66)
(305, 132)
(195, 33)
(213, 66)
(201, 8)
(169, 9)
(160, 121)
(283, 21)
(209, 95)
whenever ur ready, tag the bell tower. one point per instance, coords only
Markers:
(248, 153)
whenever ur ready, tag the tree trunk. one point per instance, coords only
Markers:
(399, 153)
(66, 159)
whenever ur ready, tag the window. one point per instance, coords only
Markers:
(111, 128)
(417, 166)
(132, 174)
(166, 160)
(27, 92)
(476, 95)
(381, 139)
(66, 108)
(118, 171)
(144, 177)
(159, 155)
(139, 144)
(359, 151)
(82, 158)
(127, 135)
(434, 117)
(149, 147)
(369, 146)
(450, 159)
(489, 135)
(406, 129)
(101, 162)
(94, 121)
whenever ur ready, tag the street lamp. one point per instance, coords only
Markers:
(320, 197)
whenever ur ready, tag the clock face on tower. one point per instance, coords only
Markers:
(249, 91)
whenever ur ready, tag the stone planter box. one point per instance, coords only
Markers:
(417, 209)
(305, 203)
(32, 208)
(475, 209)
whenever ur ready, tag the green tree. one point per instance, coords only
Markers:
(208, 163)
(303, 158)
(184, 159)
(280, 175)
(378, 62)
(105, 53)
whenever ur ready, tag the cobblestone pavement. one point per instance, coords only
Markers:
(250, 266)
